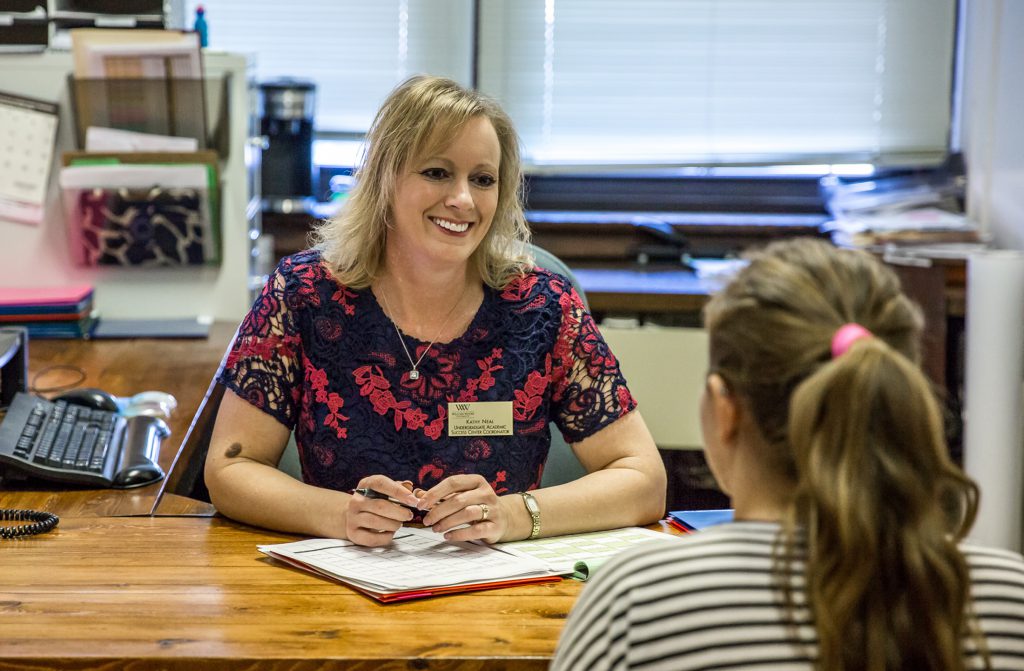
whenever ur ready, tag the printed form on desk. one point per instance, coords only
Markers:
(580, 555)
(421, 563)
(418, 563)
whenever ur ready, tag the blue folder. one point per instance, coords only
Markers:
(699, 519)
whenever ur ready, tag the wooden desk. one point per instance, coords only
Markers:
(182, 367)
(194, 593)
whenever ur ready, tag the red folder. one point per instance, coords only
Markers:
(420, 593)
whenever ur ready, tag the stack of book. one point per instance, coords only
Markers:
(49, 312)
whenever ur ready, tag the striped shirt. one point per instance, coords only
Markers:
(709, 602)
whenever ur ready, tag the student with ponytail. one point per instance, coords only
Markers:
(847, 550)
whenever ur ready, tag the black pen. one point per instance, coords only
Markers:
(374, 494)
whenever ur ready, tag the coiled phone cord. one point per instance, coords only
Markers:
(36, 522)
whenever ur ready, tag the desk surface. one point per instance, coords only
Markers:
(656, 290)
(111, 587)
(194, 593)
(182, 367)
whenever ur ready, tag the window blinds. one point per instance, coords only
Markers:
(355, 51)
(711, 82)
(621, 82)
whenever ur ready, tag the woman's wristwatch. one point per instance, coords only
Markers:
(534, 510)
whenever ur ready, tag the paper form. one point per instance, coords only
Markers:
(581, 554)
(417, 558)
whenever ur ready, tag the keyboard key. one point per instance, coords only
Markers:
(46, 441)
(24, 445)
(103, 445)
(35, 418)
(84, 456)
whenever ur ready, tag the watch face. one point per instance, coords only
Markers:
(534, 510)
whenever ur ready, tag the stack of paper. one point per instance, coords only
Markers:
(49, 312)
(917, 226)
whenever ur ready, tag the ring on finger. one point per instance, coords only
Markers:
(484, 512)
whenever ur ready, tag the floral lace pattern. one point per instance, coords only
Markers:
(325, 360)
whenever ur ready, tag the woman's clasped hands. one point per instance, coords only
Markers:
(462, 507)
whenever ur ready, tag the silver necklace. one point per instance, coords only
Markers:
(414, 374)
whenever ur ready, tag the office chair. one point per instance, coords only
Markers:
(562, 465)
(185, 477)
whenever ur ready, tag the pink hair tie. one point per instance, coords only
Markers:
(846, 335)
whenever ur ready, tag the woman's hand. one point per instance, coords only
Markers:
(373, 522)
(463, 508)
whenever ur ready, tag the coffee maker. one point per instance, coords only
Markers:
(287, 107)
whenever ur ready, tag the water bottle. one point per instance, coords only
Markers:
(200, 26)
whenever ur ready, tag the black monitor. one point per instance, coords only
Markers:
(13, 363)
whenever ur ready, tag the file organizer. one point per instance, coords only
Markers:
(161, 106)
(163, 209)
(142, 209)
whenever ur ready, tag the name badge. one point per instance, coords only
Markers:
(483, 418)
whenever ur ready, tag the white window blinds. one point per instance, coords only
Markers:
(711, 82)
(355, 51)
(673, 82)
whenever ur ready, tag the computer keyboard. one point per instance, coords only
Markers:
(67, 442)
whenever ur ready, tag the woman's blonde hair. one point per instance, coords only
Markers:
(860, 437)
(419, 118)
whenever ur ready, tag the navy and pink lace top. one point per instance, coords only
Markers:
(325, 360)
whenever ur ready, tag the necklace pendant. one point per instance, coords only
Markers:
(414, 374)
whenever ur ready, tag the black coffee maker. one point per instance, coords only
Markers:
(286, 108)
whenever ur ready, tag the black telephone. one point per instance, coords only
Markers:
(80, 438)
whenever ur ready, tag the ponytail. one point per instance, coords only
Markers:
(884, 575)
(854, 426)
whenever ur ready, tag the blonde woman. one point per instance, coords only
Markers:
(846, 550)
(419, 355)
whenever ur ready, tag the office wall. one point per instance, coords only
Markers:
(40, 255)
(993, 131)
(993, 144)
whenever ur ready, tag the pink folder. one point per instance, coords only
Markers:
(66, 295)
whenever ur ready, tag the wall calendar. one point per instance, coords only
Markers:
(28, 130)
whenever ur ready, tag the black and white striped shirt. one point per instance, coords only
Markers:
(709, 602)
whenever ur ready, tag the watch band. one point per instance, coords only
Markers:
(534, 510)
